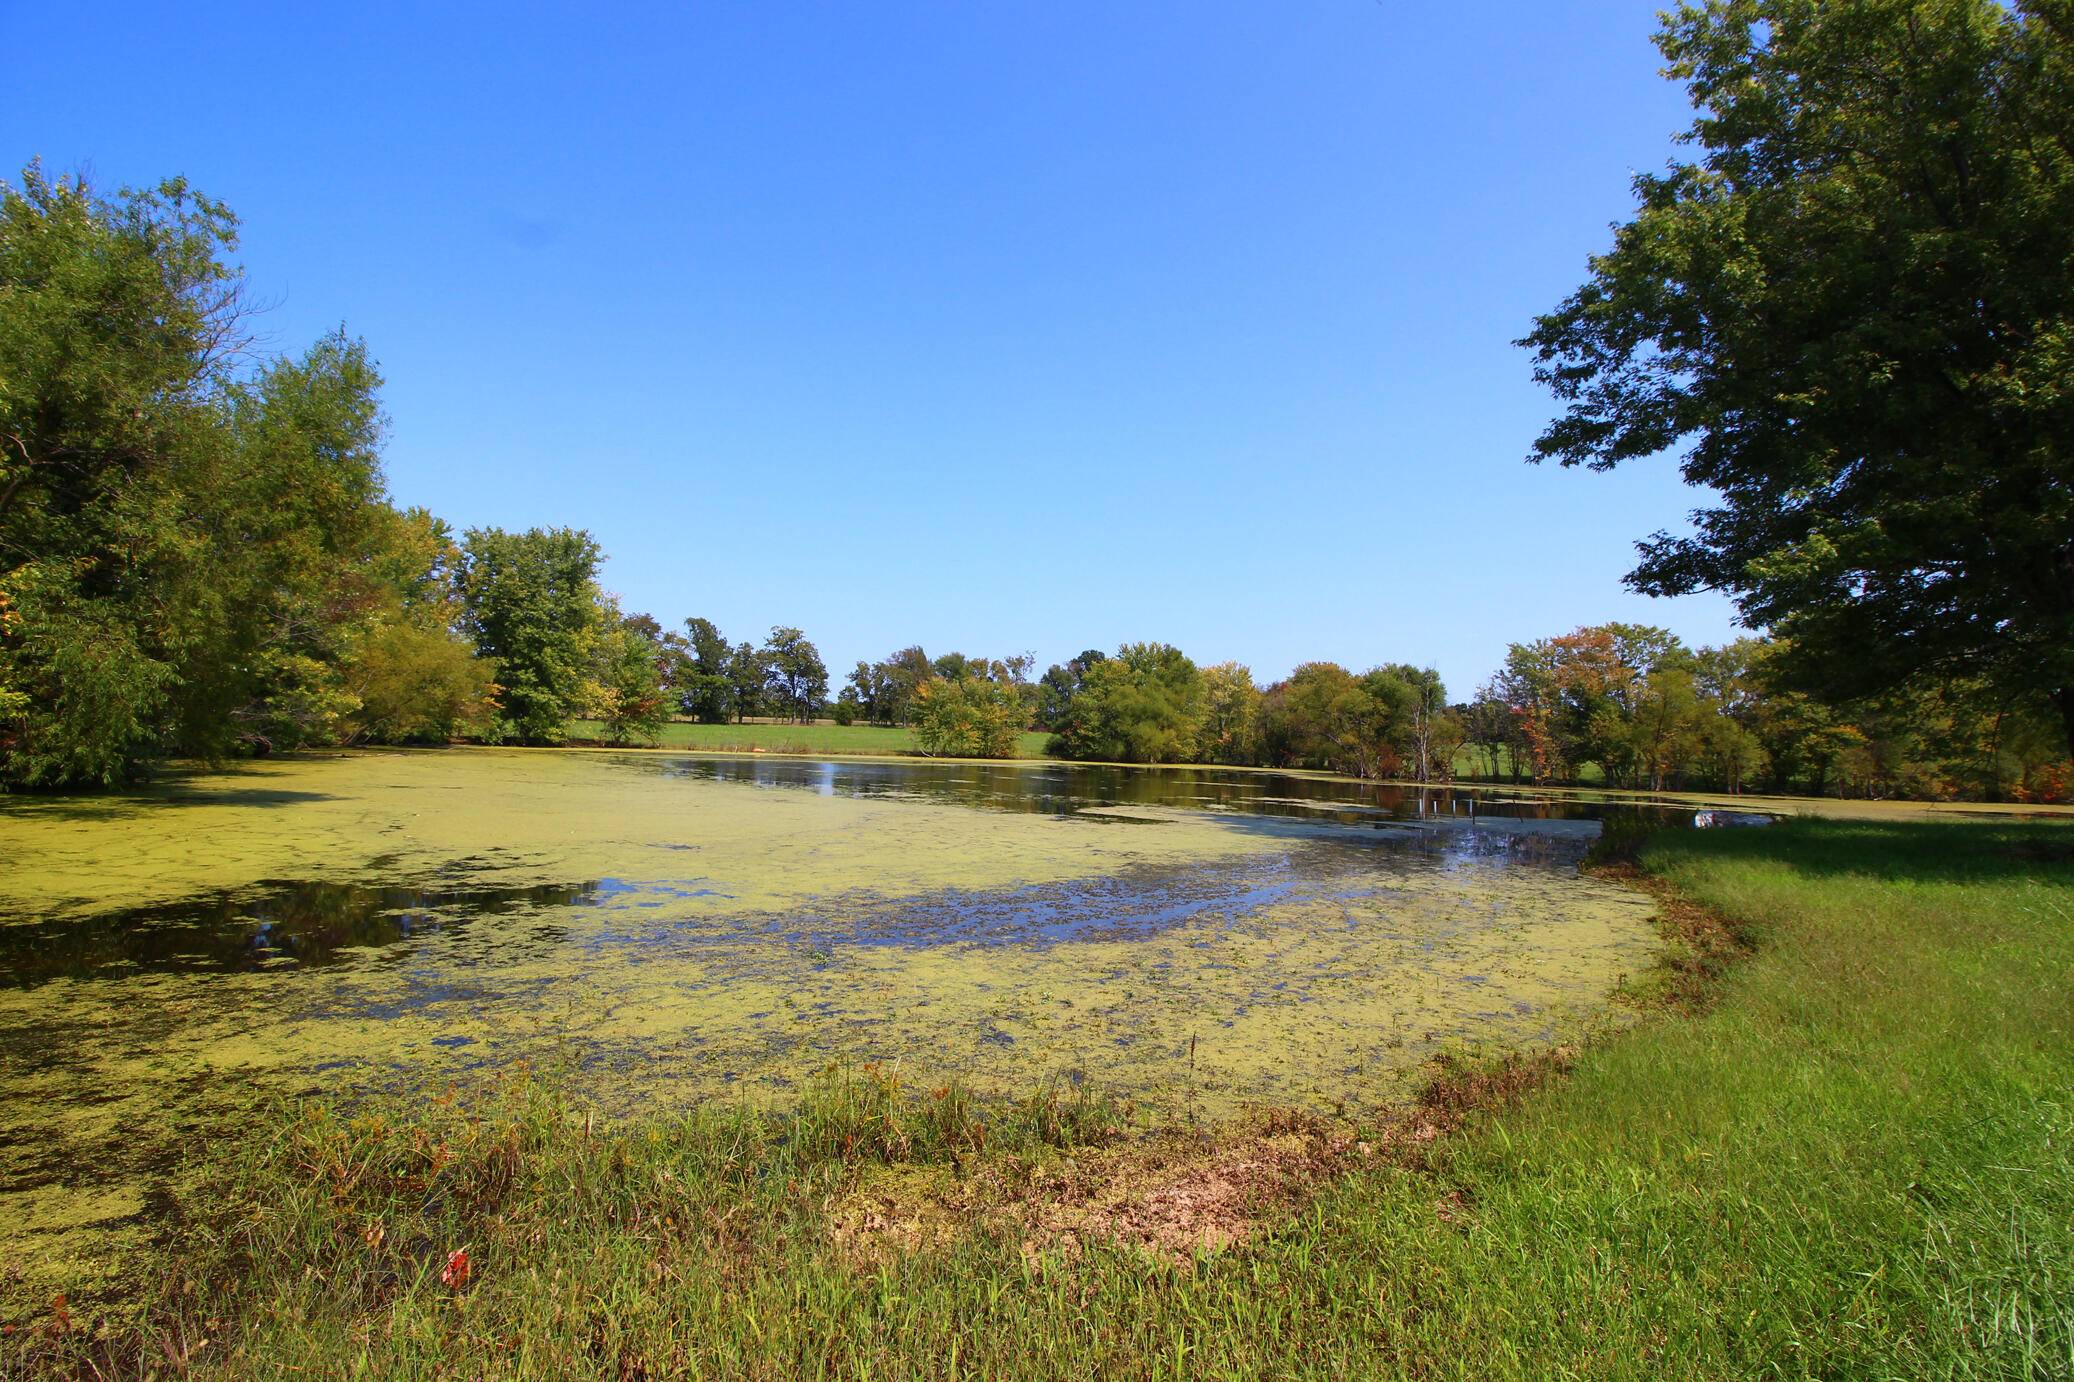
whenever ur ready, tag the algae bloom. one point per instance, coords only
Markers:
(675, 928)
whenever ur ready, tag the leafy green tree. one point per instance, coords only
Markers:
(112, 416)
(1492, 730)
(1725, 680)
(1663, 726)
(191, 547)
(1729, 752)
(952, 666)
(1428, 735)
(904, 673)
(1851, 314)
(303, 497)
(1445, 734)
(706, 690)
(1231, 705)
(410, 674)
(795, 677)
(672, 657)
(414, 685)
(629, 698)
(1059, 685)
(971, 716)
(870, 689)
(748, 679)
(1324, 716)
(117, 322)
(1145, 705)
(532, 607)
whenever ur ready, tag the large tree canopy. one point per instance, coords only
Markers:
(196, 552)
(532, 607)
(1853, 311)
(1144, 705)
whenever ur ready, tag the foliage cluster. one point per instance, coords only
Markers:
(711, 681)
(198, 555)
(1850, 314)
(196, 552)
(1150, 703)
(978, 713)
(1648, 712)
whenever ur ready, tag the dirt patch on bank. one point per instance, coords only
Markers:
(1172, 1195)
(1176, 1195)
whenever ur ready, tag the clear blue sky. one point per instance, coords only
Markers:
(996, 326)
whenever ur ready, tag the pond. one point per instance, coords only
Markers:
(672, 928)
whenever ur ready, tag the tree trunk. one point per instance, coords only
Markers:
(2065, 696)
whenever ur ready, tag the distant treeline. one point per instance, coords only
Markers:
(1620, 704)
(199, 557)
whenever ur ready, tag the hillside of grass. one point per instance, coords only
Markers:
(1848, 1153)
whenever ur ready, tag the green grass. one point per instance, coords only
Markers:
(1854, 1159)
(819, 737)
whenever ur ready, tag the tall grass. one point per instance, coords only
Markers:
(1855, 1158)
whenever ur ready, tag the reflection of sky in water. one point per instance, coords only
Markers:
(1064, 789)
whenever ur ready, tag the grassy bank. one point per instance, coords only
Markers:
(1849, 1154)
(823, 736)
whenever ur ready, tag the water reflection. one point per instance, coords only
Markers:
(1062, 789)
(276, 924)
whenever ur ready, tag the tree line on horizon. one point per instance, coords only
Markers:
(1626, 705)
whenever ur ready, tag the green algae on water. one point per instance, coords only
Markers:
(386, 920)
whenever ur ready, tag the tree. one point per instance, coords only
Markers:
(1491, 728)
(871, 690)
(794, 674)
(1231, 705)
(1664, 724)
(411, 675)
(625, 690)
(417, 685)
(1326, 717)
(1852, 312)
(113, 316)
(748, 677)
(1145, 705)
(1429, 735)
(1060, 684)
(970, 716)
(672, 656)
(1725, 679)
(533, 609)
(303, 499)
(905, 672)
(1582, 697)
(118, 326)
(194, 543)
(706, 691)
(952, 666)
